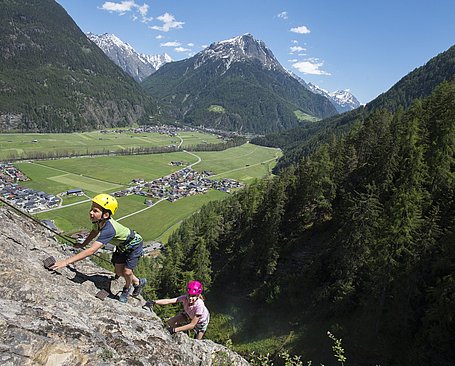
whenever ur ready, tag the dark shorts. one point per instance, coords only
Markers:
(200, 327)
(129, 258)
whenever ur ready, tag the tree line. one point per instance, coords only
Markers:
(141, 150)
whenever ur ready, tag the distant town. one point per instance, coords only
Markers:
(27, 199)
(172, 130)
(182, 183)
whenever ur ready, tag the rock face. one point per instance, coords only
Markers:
(53, 318)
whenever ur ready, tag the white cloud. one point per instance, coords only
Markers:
(292, 60)
(294, 41)
(301, 30)
(159, 36)
(310, 67)
(294, 49)
(169, 23)
(181, 49)
(190, 44)
(170, 44)
(122, 7)
(204, 46)
(125, 6)
(283, 15)
(143, 9)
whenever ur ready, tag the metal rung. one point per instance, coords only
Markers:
(102, 294)
(49, 262)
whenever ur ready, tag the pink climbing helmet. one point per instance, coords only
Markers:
(194, 288)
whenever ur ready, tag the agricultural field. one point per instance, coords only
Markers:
(244, 163)
(99, 174)
(112, 173)
(22, 146)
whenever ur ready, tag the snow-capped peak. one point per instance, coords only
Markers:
(238, 49)
(138, 65)
(343, 100)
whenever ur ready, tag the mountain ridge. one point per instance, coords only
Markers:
(140, 66)
(239, 48)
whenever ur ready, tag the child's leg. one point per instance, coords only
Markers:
(119, 269)
(200, 329)
(132, 259)
(199, 335)
(129, 277)
(118, 260)
(177, 320)
(126, 273)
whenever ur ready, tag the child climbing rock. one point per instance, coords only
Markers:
(195, 316)
(128, 244)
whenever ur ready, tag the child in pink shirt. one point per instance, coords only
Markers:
(196, 315)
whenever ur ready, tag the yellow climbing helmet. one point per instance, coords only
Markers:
(107, 202)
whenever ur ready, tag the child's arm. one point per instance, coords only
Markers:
(88, 239)
(166, 301)
(79, 256)
(188, 326)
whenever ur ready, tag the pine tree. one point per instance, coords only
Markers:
(357, 246)
(200, 263)
(409, 198)
(440, 122)
(268, 238)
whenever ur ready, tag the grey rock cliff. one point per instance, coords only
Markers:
(53, 318)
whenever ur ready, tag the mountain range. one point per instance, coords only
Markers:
(236, 84)
(136, 64)
(139, 66)
(342, 100)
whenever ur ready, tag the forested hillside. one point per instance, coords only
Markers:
(417, 84)
(356, 238)
(52, 78)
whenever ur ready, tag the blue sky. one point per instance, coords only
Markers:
(364, 46)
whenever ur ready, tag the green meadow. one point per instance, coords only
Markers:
(112, 173)
(23, 146)
(244, 163)
(107, 170)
